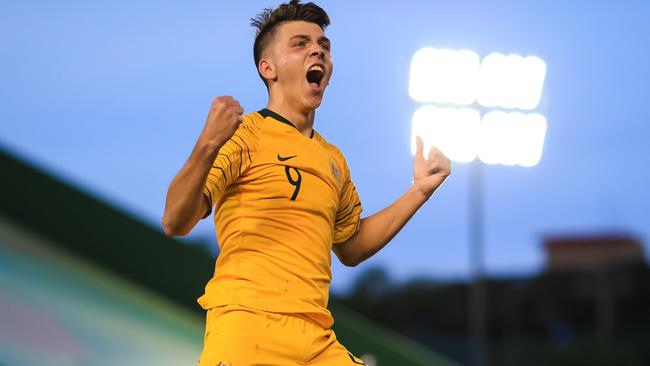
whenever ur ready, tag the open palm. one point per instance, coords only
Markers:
(429, 172)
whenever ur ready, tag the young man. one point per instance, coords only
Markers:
(284, 200)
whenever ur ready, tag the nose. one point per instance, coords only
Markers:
(318, 51)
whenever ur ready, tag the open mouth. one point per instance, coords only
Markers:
(315, 75)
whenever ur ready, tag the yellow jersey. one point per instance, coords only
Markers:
(282, 200)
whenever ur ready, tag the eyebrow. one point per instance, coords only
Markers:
(306, 37)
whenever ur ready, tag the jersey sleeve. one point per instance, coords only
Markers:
(234, 157)
(348, 215)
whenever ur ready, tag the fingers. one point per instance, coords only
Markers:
(226, 101)
(224, 118)
(438, 162)
(227, 105)
(237, 108)
(234, 104)
(434, 152)
(429, 172)
(434, 161)
(419, 146)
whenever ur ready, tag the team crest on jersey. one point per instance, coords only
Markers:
(335, 169)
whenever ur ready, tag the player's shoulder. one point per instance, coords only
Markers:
(251, 125)
(253, 118)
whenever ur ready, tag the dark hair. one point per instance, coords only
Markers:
(269, 18)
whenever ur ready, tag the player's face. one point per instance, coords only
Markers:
(303, 63)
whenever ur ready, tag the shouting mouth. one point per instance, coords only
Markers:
(315, 76)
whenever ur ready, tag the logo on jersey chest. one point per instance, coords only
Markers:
(285, 158)
(335, 169)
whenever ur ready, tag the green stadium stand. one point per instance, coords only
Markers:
(116, 290)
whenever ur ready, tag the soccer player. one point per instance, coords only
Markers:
(283, 200)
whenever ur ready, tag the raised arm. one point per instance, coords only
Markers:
(375, 231)
(185, 204)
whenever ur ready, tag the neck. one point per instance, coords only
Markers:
(303, 121)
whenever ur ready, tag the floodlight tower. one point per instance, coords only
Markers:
(478, 108)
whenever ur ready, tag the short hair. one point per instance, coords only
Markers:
(266, 23)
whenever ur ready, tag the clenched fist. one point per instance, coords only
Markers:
(430, 172)
(223, 120)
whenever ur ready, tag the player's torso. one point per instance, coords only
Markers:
(292, 173)
(292, 178)
(275, 222)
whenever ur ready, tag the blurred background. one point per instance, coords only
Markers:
(101, 103)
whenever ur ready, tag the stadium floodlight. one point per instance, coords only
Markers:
(512, 138)
(444, 76)
(511, 81)
(455, 131)
(508, 138)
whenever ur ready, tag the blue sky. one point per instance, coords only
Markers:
(111, 96)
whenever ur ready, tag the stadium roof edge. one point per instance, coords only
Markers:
(102, 234)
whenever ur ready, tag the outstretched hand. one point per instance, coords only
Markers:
(429, 172)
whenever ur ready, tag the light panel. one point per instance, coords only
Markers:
(444, 76)
(512, 138)
(453, 130)
(511, 81)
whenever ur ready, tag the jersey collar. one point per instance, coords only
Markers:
(269, 113)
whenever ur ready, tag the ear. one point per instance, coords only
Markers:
(267, 69)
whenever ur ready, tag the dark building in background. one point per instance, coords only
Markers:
(603, 278)
(592, 252)
(590, 305)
